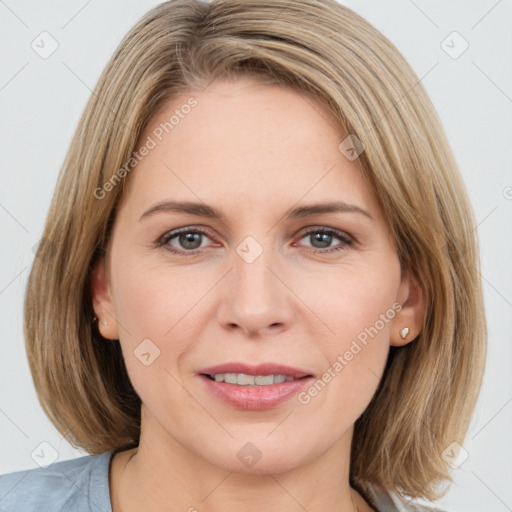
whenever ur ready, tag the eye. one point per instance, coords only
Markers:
(321, 239)
(189, 241)
(186, 241)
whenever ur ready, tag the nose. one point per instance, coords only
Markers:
(255, 298)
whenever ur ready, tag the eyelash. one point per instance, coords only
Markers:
(345, 240)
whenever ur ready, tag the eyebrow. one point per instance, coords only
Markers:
(203, 210)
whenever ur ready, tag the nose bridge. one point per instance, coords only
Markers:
(251, 276)
(255, 298)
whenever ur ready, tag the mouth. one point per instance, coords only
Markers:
(250, 387)
(242, 379)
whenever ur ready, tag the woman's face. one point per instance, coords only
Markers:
(224, 252)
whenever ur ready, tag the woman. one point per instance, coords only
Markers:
(263, 286)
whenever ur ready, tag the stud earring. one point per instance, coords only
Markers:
(404, 332)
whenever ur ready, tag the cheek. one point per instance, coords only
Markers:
(161, 309)
(359, 306)
(148, 304)
(151, 299)
(354, 297)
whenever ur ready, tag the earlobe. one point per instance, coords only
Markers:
(102, 302)
(408, 321)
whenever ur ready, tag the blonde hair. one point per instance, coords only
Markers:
(430, 386)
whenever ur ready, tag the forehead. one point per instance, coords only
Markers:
(247, 144)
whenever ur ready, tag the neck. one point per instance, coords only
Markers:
(162, 474)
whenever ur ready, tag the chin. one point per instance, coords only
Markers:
(260, 457)
(272, 465)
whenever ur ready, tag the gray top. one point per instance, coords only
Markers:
(81, 485)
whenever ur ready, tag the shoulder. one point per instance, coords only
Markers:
(387, 502)
(78, 484)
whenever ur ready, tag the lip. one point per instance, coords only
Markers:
(259, 369)
(255, 397)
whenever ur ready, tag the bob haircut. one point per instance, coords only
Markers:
(429, 387)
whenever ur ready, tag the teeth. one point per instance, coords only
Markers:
(230, 378)
(251, 380)
(264, 380)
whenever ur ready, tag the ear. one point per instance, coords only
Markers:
(102, 302)
(412, 298)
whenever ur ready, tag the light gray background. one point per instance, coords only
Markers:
(41, 101)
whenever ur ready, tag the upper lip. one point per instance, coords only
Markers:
(259, 369)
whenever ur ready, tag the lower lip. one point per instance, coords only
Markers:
(255, 398)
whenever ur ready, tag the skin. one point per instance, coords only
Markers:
(253, 152)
